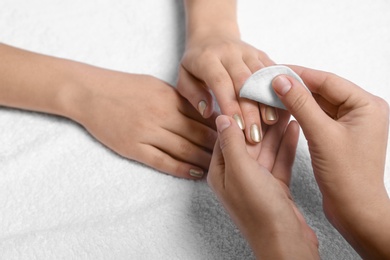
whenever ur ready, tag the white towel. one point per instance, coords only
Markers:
(63, 195)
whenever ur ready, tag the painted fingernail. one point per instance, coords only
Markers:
(271, 114)
(196, 173)
(202, 105)
(281, 85)
(222, 123)
(239, 121)
(255, 133)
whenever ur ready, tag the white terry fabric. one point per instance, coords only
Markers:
(258, 86)
(65, 196)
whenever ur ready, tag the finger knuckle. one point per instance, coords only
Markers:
(208, 136)
(262, 54)
(157, 161)
(299, 103)
(382, 106)
(228, 46)
(180, 169)
(210, 179)
(226, 142)
(202, 60)
(239, 78)
(185, 149)
(255, 66)
(252, 114)
(218, 79)
(230, 107)
(264, 57)
(206, 55)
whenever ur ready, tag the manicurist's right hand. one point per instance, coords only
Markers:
(347, 130)
(256, 192)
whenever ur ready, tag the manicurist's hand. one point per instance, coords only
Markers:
(217, 60)
(347, 130)
(256, 192)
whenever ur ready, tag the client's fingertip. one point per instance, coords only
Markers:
(205, 107)
(197, 173)
(202, 105)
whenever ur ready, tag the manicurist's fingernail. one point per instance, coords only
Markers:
(196, 173)
(281, 85)
(255, 133)
(239, 121)
(202, 105)
(222, 123)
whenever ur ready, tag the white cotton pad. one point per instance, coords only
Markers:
(258, 87)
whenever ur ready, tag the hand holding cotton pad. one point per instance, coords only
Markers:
(258, 87)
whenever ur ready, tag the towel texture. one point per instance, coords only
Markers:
(63, 195)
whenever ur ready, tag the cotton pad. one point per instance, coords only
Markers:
(258, 87)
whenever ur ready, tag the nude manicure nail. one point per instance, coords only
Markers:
(271, 114)
(255, 133)
(239, 121)
(196, 173)
(202, 105)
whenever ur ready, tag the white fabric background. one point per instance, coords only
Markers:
(65, 196)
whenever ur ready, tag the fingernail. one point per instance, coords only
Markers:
(239, 121)
(281, 85)
(255, 133)
(222, 123)
(271, 114)
(202, 105)
(196, 173)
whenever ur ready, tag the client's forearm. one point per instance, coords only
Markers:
(217, 16)
(37, 82)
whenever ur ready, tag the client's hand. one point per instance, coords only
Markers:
(347, 130)
(137, 116)
(145, 119)
(256, 193)
(222, 64)
(217, 60)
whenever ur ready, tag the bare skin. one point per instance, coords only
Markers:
(256, 194)
(217, 60)
(347, 130)
(137, 116)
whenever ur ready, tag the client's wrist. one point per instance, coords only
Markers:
(226, 30)
(75, 93)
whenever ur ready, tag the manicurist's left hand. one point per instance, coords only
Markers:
(256, 192)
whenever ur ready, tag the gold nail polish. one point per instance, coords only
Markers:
(239, 121)
(271, 113)
(202, 105)
(196, 173)
(255, 133)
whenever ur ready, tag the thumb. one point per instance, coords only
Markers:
(231, 139)
(301, 104)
